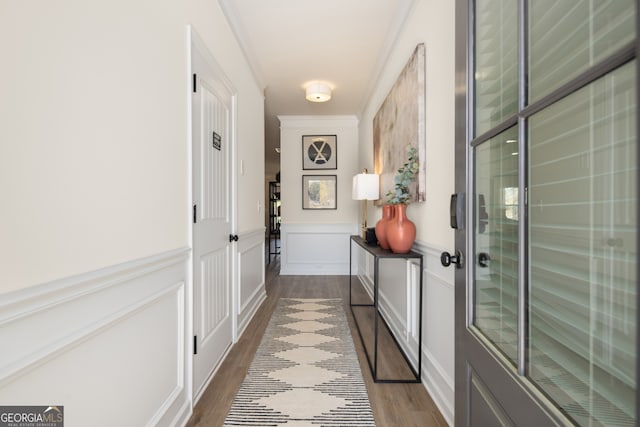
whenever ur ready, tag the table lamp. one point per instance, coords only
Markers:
(366, 186)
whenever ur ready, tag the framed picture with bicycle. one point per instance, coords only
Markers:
(319, 152)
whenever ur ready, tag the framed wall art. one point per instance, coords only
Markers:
(400, 122)
(319, 152)
(319, 191)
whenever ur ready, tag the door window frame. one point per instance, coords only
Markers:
(465, 107)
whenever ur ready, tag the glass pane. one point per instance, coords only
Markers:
(582, 250)
(496, 73)
(568, 36)
(496, 242)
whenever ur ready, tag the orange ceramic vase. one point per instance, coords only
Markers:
(381, 226)
(401, 232)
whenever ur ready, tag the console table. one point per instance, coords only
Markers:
(378, 254)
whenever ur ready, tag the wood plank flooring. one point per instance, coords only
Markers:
(393, 405)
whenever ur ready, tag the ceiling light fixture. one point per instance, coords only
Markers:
(318, 92)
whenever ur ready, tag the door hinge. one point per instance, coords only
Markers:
(195, 79)
(195, 213)
(195, 344)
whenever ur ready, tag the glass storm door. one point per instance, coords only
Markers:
(546, 155)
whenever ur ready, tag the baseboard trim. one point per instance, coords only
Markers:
(206, 383)
(182, 415)
(306, 270)
(439, 396)
(250, 308)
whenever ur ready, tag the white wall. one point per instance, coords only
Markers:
(208, 20)
(92, 142)
(95, 218)
(432, 23)
(317, 241)
(292, 128)
(93, 158)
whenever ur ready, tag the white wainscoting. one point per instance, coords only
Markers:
(110, 346)
(438, 339)
(398, 287)
(251, 283)
(315, 249)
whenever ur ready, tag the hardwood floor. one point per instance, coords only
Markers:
(393, 404)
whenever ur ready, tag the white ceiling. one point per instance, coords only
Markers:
(289, 43)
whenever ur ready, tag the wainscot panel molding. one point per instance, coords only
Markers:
(251, 284)
(398, 290)
(111, 338)
(315, 249)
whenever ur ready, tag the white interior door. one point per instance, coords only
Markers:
(212, 216)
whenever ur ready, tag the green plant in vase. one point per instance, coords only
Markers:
(406, 174)
(400, 231)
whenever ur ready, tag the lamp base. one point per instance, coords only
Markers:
(370, 236)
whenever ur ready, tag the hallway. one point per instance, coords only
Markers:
(393, 404)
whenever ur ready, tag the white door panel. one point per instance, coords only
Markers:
(212, 259)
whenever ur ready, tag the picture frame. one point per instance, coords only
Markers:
(399, 123)
(319, 192)
(319, 152)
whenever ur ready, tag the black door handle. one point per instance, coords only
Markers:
(233, 237)
(446, 259)
(483, 259)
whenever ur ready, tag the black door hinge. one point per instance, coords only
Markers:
(195, 344)
(195, 79)
(195, 213)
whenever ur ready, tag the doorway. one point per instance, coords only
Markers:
(274, 220)
(546, 155)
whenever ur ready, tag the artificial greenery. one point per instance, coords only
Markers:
(406, 174)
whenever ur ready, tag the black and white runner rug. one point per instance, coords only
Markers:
(305, 372)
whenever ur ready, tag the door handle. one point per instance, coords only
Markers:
(446, 259)
(483, 259)
(233, 237)
(456, 211)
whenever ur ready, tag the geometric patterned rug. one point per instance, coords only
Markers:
(305, 371)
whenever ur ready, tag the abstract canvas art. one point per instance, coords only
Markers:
(400, 122)
(319, 191)
(319, 152)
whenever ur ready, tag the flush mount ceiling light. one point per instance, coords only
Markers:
(318, 92)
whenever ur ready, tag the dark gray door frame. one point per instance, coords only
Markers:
(511, 398)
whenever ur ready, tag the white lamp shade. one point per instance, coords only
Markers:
(318, 92)
(366, 186)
